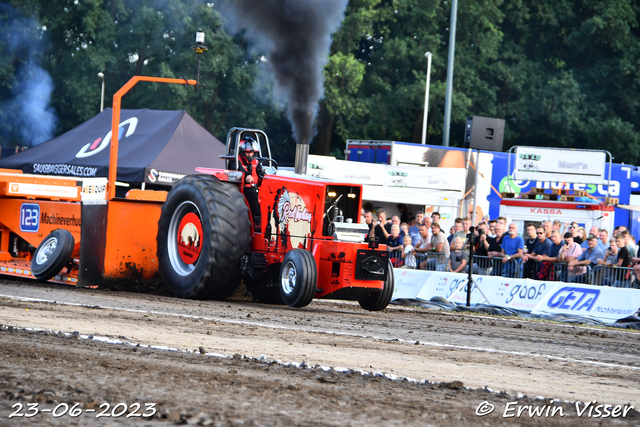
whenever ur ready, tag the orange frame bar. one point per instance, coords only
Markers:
(115, 123)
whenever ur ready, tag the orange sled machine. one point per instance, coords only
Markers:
(200, 237)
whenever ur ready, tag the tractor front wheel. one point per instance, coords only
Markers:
(379, 300)
(203, 231)
(298, 278)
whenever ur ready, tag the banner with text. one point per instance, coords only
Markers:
(399, 184)
(599, 302)
(519, 294)
(548, 165)
(602, 303)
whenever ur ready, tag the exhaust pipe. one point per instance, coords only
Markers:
(302, 156)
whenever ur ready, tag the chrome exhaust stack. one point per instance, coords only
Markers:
(302, 156)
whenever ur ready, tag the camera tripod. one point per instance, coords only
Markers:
(471, 239)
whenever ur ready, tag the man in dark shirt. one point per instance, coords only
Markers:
(479, 248)
(624, 259)
(379, 228)
(542, 245)
(494, 249)
(623, 277)
(545, 260)
(481, 261)
(553, 250)
(375, 230)
(382, 221)
(491, 228)
(368, 219)
(529, 243)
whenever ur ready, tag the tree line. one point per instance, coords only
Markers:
(560, 73)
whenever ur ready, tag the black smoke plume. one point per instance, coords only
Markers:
(296, 35)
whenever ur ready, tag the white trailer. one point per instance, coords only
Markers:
(386, 185)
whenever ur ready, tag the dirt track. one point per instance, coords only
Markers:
(458, 355)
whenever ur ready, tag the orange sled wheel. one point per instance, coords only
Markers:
(52, 254)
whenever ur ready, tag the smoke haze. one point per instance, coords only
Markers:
(25, 110)
(296, 36)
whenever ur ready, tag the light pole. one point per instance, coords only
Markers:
(426, 99)
(101, 75)
(199, 48)
(452, 49)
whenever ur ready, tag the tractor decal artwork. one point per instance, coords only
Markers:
(288, 212)
(282, 199)
(291, 219)
(189, 238)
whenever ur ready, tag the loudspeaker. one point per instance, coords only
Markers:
(484, 133)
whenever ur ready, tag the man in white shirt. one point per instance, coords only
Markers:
(440, 246)
(427, 223)
(421, 247)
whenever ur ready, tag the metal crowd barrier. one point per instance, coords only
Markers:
(561, 272)
(493, 266)
(573, 274)
(396, 258)
(617, 277)
(432, 261)
(399, 262)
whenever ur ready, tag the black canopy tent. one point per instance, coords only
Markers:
(154, 147)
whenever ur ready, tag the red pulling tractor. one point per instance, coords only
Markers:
(308, 245)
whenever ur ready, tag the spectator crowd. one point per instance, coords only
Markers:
(550, 250)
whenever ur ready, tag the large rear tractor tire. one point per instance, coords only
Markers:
(52, 254)
(203, 232)
(378, 301)
(298, 278)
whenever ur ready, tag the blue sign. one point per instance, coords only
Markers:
(574, 298)
(625, 179)
(29, 217)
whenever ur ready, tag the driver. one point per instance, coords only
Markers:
(253, 171)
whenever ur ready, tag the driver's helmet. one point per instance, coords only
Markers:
(248, 145)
